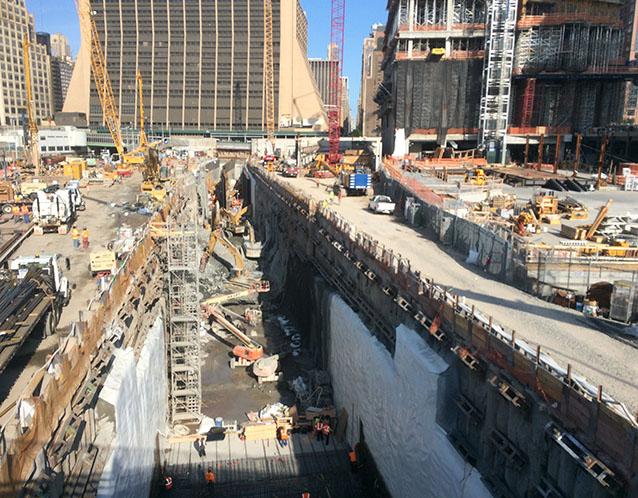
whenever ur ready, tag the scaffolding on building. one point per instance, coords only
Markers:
(183, 348)
(497, 70)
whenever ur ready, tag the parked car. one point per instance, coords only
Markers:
(381, 204)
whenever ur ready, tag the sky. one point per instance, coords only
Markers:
(61, 16)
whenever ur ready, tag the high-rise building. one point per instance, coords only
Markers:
(60, 46)
(492, 73)
(17, 21)
(345, 105)
(61, 72)
(368, 120)
(321, 70)
(202, 65)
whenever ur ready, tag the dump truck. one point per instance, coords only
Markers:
(54, 211)
(356, 182)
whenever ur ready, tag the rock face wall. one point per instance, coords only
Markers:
(394, 399)
(136, 396)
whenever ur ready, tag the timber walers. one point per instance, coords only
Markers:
(53, 452)
(567, 437)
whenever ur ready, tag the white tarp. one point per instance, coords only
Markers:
(138, 395)
(396, 400)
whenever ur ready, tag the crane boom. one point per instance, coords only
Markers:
(336, 68)
(100, 74)
(34, 146)
(143, 140)
(269, 74)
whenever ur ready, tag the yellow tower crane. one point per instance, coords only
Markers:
(269, 74)
(34, 146)
(110, 111)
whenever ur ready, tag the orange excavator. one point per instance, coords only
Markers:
(250, 350)
(217, 235)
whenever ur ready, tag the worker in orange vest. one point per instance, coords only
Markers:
(75, 235)
(305, 495)
(282, 435)
(168, 482)
(25, 212)
(85, 238)
(210, 477)
(353, 460)
(15, 211)
(319, 430)
(326, 431)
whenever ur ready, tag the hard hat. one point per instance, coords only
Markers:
(210, 469)
(83, 228)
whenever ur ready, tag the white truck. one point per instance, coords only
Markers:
(54, 210)
(381, 204)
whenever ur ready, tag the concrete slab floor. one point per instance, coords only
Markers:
(102, 228)
(262, 468)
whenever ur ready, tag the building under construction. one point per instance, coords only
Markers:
(203, 68)
(545, 68)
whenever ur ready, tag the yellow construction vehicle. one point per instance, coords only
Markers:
(476, 176)
(152, 174)
(217, 235)
(34, 146)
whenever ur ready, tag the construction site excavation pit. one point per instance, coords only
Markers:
(428, 416)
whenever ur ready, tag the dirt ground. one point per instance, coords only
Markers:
(564, 334)
(101, 220)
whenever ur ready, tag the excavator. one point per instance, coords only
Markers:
(217, 235)
(476, 176)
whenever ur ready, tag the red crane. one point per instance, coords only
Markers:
(336, 69)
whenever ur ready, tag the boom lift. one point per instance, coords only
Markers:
(34, 146)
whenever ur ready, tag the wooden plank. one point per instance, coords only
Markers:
(552, 387)
(342, 422)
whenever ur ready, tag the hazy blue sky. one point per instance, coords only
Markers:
(61, 16)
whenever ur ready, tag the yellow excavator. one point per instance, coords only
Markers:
(476, 176)
(217, 235)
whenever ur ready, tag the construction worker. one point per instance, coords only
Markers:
(305, 495)
(15, 211)
(353, 460)
(314, 425)
(282, 435)
(25, 212)
(319, 430)
(332, 197)
(85, 238)
(210, 477)
(326, 431)
(75, 235)
(168, 482)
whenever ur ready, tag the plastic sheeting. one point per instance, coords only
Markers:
(138, 395)
(396, 401)
(438, 94)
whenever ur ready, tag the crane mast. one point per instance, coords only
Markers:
(100, 74)
(269, 74)
(34, 146)
(336, 69)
